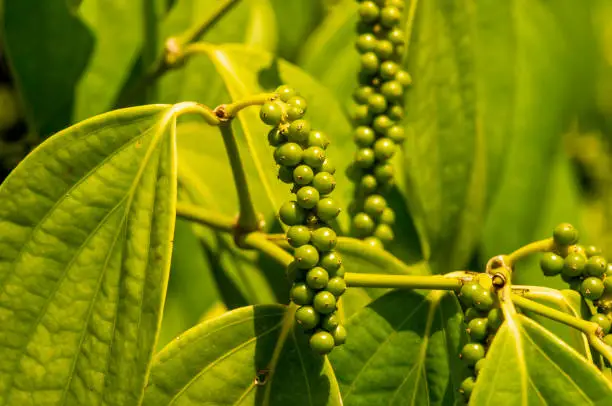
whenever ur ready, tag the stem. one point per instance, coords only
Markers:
(601, 347)
(538, 246)
(586, 327)
(247, 219)
(229, 111)
(259, 241)
(208, 218)
(196, 108)
(401, 281)
(198, 30)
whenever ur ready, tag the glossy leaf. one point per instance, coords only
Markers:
(295, 20)
(526, 364)
(402, 357)
(86, 224)
(445, 146)
(245, 357)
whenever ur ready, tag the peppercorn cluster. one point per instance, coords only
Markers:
(585, 270)
(483, 317)
(317, 268)
(379, 109)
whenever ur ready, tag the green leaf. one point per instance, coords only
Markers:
(403, 357)
(248, 356)
(86, 224)
(48, 51)
(526, 364)
(295, 19)
(445, 146)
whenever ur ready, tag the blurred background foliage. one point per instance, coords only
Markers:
(509, 121)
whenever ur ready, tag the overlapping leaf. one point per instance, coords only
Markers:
(86, 224)
(250, 356)
(528, 365)
(405, 357)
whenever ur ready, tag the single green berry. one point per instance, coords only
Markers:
(390, 16)
(574, 282)
(299, 131)
(551, 264)
(318, 138)
(327, 209)
(395, 113)
(396, 36)
(387, 216)
(363, 225)
(330, 321)
(607, 281)
(369, 63)
(392, 90)
(471, 353)
(299, 102)
(362, 115)
(314, 156)
(565, 234)
(322, 342)
(285, 174)
(364, 136)
(366, 43)
(298, 236)
(603, 321)
(317, 278)
(592, 251)
(374, 205)
(596, 266)
(303, 175)
(291, 213)
(479, 365)
(276, 137)
(472, 313)
(483, 300)
(271, 113)
(362, 94)
(388, 70)
(289, 154)
(331, 261)
(377, 103)
(396, 3)
(608, 339)
(403, 78)
(384, 49)
(294, 113)
(396, 134)
(306, 256)
(368, 184)
(285, 92)
(384, 149)
(384, 232)
(336, 286)
(301, 294)
(382, 123)
(467, 386)
(373, 242)
(324, 302)
(339, 335)
(328, 167)
(477, 329)
(307, 197)
(364, 158)
(368, 11)
(467, 292)
(307, 317)
(574, 265)
(324, 239)
(592, 288)
(324, 182)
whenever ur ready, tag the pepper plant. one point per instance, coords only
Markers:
(210, 224)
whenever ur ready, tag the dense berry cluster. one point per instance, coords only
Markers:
(483, 318)
(377, 132)
(301, 155)
(585, 270)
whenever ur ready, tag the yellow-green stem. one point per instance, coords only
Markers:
(434, 282)
(259, 241)
(198, 30)
(535, 247)
(205, 217)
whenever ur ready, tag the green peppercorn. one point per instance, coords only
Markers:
(314, 156)
(551, 264)
(383, 49)
(473, 313)
(299, 102)
(403, 78)
(328, 167)
(396, 134)
(298, 235)
(396, 37)
(574, 265)
(339, 335)
(291, 213)
(472, 353)
(368, 184)
(324, 182)
(285, 174)
(381, 124)
(299, 131)
(387, 216)
(276, 137)
(388, 70)
(596, 266)
(603, 321)
(301, 294)
(592, 288)
(324, 302)
(322, 342)
(364, 158)
(330, 321)
(374, 205)
(318, 139)
(271, 113)
(302, 175)
(366, 42)
(306, 256)
(377, 103)
(327, 209)
(317, 278)
(384, 149)
(395, 113)
(307, 197)
(384, 173)
(467, 292)
(324, 239)
(307, 317)
(336, 286)
(467, 386)
(369, 63)
(364, 136)
(592, 251)
(285, 92)
(384, 232)
(368, 11)
(363, 225)
(362, 94)
(477, 329)
(565, 234)
(483, 300)
(392, 90)
(289, 154)
(362, 115)
(479, 365)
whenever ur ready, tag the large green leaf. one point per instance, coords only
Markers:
(250, 356)
(445, 146)
(401, 350)
(295, 21)
(526, 364)
(86, 224)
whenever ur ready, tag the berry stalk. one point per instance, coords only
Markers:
(434, 282)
